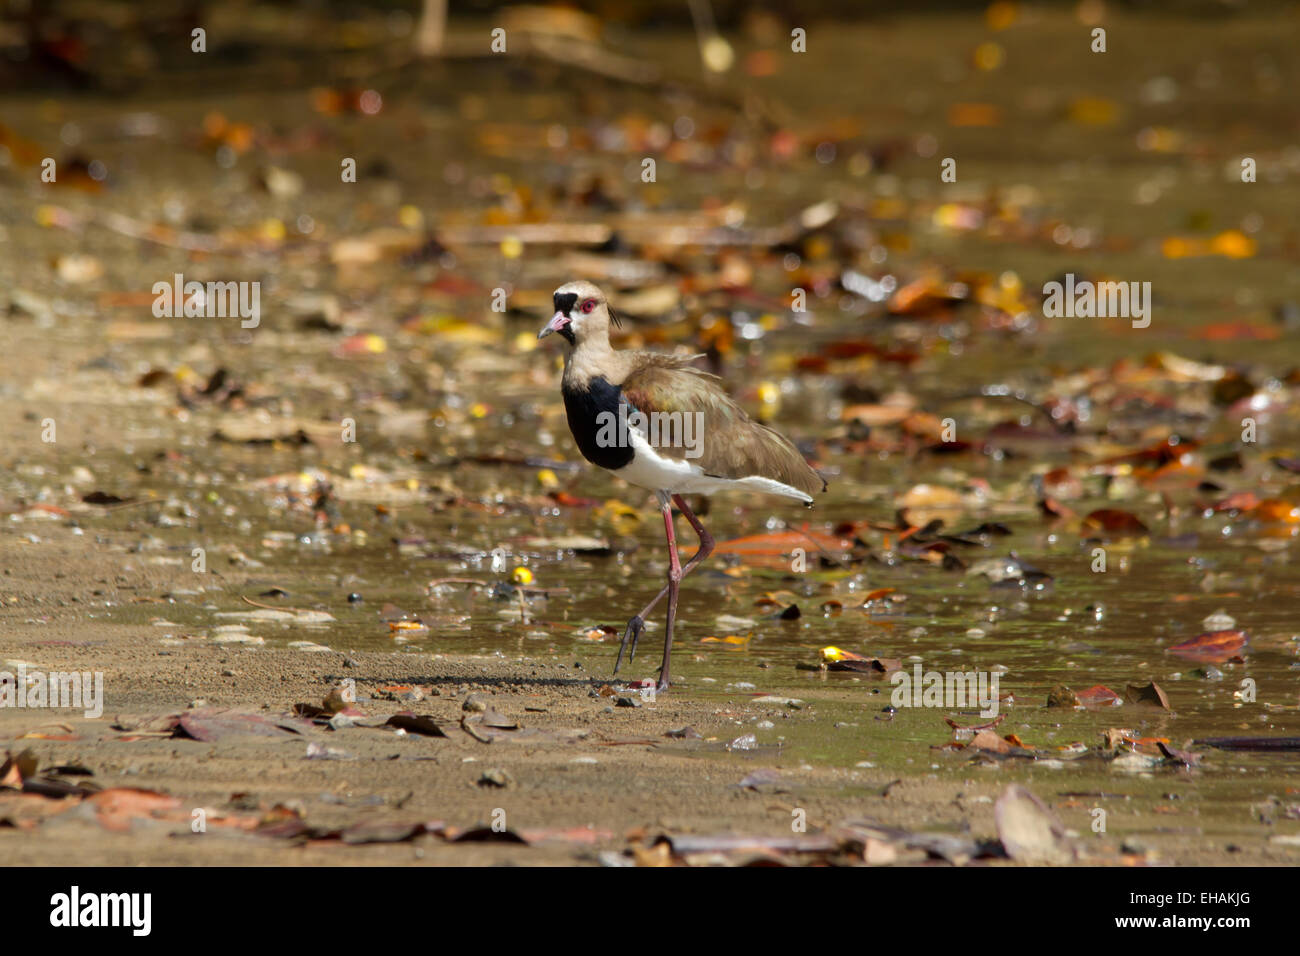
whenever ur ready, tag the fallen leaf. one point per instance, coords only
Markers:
(781, 544)
(1114, 523)
(1029, 831)
(1184, 757)
(1098, 696)
(1149, 693)
(420, 724)
(1062, 696)
(1213, 647)
(118, 806)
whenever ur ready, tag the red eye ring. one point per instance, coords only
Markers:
(588, 306)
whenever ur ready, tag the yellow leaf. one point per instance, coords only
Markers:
(411, 217)
(1001, 14)
(1233, 244)
(989, 56)
(273, 229)
(1094, 111)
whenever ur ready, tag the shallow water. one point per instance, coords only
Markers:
(486, 393)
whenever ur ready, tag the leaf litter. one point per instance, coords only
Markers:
(1130, 447)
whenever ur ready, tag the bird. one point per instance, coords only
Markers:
(658, 422)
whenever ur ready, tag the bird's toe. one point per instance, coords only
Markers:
(630, 637)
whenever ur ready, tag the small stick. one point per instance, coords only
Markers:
(272, 607)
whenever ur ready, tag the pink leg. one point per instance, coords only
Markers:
(706, 539)
(674, 582)
(637, 624)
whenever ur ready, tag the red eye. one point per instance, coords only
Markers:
(588, 305)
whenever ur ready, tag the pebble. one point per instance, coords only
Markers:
(495, 777)
(238, 638)
(1220, 620)
(311, 647)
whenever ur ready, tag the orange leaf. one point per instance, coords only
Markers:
(1276, 509)
(1213, 647)
(781, 543)
(1098, 696)
(1115, 522)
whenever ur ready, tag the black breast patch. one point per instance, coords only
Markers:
(599, 430)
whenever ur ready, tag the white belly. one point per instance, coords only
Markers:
(649, 469)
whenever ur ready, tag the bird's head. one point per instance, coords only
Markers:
(581, 313)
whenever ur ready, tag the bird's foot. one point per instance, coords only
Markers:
(635, 628)
(662, 684)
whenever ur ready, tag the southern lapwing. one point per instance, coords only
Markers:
(660, 423)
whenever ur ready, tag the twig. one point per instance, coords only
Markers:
(842, 562)
(272, 607)
(437, 581)
(136, 229)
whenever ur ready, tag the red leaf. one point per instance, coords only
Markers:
(1098, 696)
(1113, 521)
(1214, 647)
(1238, 501)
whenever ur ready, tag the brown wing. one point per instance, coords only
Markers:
(729, 443)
